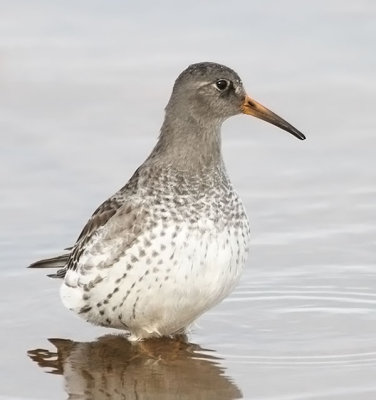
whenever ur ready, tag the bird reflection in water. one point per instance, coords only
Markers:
(113, 368)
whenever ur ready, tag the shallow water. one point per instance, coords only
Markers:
(83, 87)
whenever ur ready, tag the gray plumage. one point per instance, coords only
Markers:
(172, 242)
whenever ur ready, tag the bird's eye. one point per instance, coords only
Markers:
(221, 84)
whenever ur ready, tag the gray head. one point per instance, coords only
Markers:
(209, 93)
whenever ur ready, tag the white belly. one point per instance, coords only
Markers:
(161, 284)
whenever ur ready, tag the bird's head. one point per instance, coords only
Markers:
(211, 93)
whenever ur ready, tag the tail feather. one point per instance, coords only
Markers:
(60, 273)
(54, 262)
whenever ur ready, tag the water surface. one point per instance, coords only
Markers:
(83, 87)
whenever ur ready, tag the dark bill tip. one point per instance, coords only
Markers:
(252, 107)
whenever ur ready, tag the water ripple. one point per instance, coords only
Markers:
(350, 359)
(307, 294)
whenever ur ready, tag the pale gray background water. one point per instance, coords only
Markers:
(82, 90)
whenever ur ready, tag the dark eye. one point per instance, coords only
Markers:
(221, 84)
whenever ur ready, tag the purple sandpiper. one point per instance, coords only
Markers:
(173, 241)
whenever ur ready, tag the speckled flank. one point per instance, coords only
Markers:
(173, 241)
(186, 255)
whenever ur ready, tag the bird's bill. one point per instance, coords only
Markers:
(251, 107)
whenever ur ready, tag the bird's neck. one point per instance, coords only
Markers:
(188, 144)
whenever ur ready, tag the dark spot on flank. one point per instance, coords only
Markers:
(134, 308)
(101, 312)
(85, 310)
(141, 253)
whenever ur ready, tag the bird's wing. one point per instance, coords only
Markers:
(112, 229)
(99, 218)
